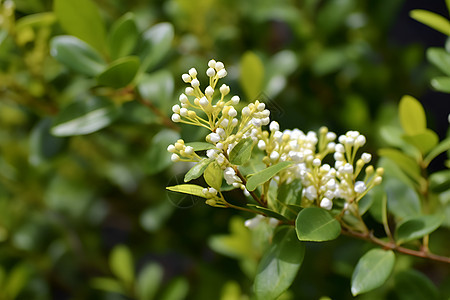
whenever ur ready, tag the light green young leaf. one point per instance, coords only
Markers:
(213, 175)
(441, 147)
(77, 55)
(424, 141)
(107, 284)
(84, 117)
(241, 153)
(403, 161)
(432, 20)
(16, 280)
(157, 42)
(81, 18)
(123, 36)
(441, 84)
(417, 227)
(262, 176)
(252, 75)
(176, 290)
(35, 20)
(413, 285)
(121, 264)
(440, 181)
(372, 270)
(197, 170)
(149, 280)
(412, 115)
(279, 265)
(317, 225)
(190, 189)
(440, 58)
(120, 72)
(200, 146)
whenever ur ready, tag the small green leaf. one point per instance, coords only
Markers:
(81, 18)
(108, 285)
(123, 36)
(190, 189)
(317, 225)
(16, 280)
(121, 264)
(441, 147)
(441, 84)
(120, 72)
(279, 265)
(35, 20)
(412, 115)
(413, 285)
(424, 141)
(177, 289)
(432, 20)
(157, 42)
(417, 227)
(372, 270)
(268, 212)
(264, 175)
(440, 58)
(252, 75)
(157, 87)
(403, 201)
(213, 175)
(197, 170)
(440, 181)
(149, 280)
(241, 153)
(84, 117)
(77, 55)
(200, 146)
(403, 161)
(43, 145)
(158, 158)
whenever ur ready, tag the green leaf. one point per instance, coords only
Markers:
(412, 116)
(119, 73)
(440, 181)
(403, 161)
(264, 175)
(432, 20)
(190, 189)
(417, 227)
(441, 84)
(329, 61)
(77, 55)
(242, 152)
(121, 264)
(43, 145)
(403, 201)
(157, 87)
(372, 270)
(252, 75)
(81, 18)
(268, 212)
(16, 281)
(424, 141)
(279, 265)
(440, 58)
(123, 36)
(84, 117)
(200, 146)
(413, 285)
(176, 290)
(441, 147)
(289, 194)
(213, 175)
(157, 42)
(197, 170)
(317, 225)
(158, 158)
(149, 280)
(35, 20)
(108, 285)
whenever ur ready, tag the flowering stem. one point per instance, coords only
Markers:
(244, 182)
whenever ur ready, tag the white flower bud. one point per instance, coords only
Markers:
(214, 137)
(338, 156)
(232, 112)
(331, 136)
(339, 148)
(186, 78)
(175, 157)
(234, 122)
(316, 162)
(265, 121)
(377, 180)
(203, 102)
(176, 109)
(184, 112)
(274, 155)
(366, 157)
(256, 122)
(189, 150)
(246, 111)
(310, 193)
(189, 91)
(193, 72)
(212, 191)
(235, 100)
(219, 66)
(274, 126)
(195, 83)
(183, 98)
(176, 118)
(348, 168)
(360, 141)
(261, 145)
(224, 89)
(210, 72)
(209, 91)
(224, 123)
(171, 148)
(212, 63)
(326, 203)
(360, 187)
(261, 107)
(222, 73)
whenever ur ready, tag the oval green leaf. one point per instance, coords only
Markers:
(242, 152)
(157, 42)
(197, 170)
(84, 117)
(432, 20)
(121, 264)
(279, 265)
(413, 285)
(77, 55)
(372, 270)
(407, 164)
(190, 189)
(441, 147)
(120, 73)
(157, 87)
(200, 146)
(213, 175)
(440, 181)
(440, 58)
(252, 75)
(424, 141)
(149, 280)
(268, 212)
(412, 115)
(417, 227)
(108, 285)
(123, 36)
(403, 201)
(317, 225)
(441, 84)
(158, 158)
(262, 176)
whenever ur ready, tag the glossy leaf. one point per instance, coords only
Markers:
(372, 270)
(43, 145)
(121, 264)
(403, 161)
(432, 20)
(264, 175)
(200, 146)
(441, 147)
(241, 153)
(77, 55)
(190, 189)
(424, 141)
(197, 170)
(402, 199)
(213, 175)
(412, 116)
(149, 281)
(417, 227)
(268, 212)
(157, 87)
(252, 75)
(440, 58)
(440, 181)
(157, 41)
(82, 19)
(279, 265)
(317, 225)
(123, 36)
(441, 84)
(108, 285)
(413, 285)
(157, 158)
(119, 73)
(84, 117)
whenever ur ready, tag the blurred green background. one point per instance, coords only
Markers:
(67, 201)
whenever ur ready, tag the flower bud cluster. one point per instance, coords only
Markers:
(181, 152)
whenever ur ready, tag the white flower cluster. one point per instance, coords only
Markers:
(181, 152)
